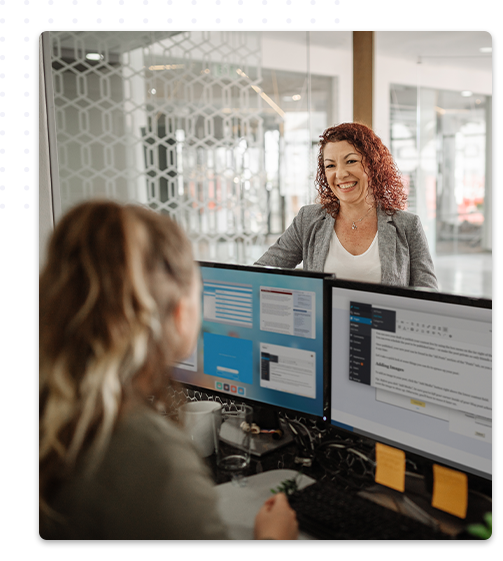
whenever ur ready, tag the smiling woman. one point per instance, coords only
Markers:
(359, 229)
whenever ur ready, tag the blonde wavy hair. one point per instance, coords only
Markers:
(113, 278)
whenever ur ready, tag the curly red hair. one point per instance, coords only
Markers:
(384, 176)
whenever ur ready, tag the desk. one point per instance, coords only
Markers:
(239, 505)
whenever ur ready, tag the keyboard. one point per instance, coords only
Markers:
(329, 513)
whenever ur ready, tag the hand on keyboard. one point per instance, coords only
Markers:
(276, 520)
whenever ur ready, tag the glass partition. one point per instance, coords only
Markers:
(191, 125)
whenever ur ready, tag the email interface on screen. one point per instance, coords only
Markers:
(415, 372)
(261, 338)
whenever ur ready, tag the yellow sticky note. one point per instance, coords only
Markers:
(450, 491)
(390, 467)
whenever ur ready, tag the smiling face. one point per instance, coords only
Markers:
(345, 173)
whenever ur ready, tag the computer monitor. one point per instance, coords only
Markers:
(413, 369)
(262, 338)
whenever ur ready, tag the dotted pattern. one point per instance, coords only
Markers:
(185, 12)
(18, 79)
(21, 22)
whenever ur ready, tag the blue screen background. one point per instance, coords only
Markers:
(247, 346)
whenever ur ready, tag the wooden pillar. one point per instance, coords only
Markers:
(363, 70)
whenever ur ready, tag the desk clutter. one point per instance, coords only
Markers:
(345, 467)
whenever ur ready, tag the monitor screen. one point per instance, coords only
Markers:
(414, 369)
(262, 337)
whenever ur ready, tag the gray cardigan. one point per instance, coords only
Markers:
(150, 485)
(403, 248)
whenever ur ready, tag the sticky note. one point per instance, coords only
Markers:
(390, 467)
(450, 491)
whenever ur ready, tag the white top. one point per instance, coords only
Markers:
(364, 268)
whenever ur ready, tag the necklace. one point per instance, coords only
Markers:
(353, 227)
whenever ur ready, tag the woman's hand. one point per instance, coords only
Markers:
(276, 520)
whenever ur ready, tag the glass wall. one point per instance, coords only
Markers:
(433, 108)
(220, 131)
(191, 125)
(453, 160)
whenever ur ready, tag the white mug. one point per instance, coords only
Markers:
(197, 419)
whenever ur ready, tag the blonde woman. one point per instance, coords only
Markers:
(119, 304)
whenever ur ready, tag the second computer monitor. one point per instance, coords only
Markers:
(262, 337)
(414, 369)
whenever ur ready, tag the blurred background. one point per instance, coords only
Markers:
(220, 131)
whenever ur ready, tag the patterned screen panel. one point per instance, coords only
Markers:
(170, 120)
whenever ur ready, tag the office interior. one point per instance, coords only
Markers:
(219, 130)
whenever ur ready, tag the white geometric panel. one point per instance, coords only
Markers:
(171, 120)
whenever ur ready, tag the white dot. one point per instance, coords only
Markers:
(50, 2)
(98, 2)
(2, 114)
(313, 20)
(50, 20)
(121, 21)
(145, 2)
(26, 187)
(26, 21)
(264, 2)
(194, 2)
(169, 20)
(98, 20)
(26, 169)
(240, 2)
(26, 115)
(26, 57)
(218, 2)
(240, 20)
(2, 75)
(313, 1)
(337, 2)
(289, 2)
(2, 39)
(2, 151)
(26, 132)
(26, 206)
(194, 20)
(264, 21)
(26, 38)
(2, 169)
(169, 2)
(26, 75)
(74, 20)
(145, 20)
(2, 132)
(336, 20)
(218, 20)
(2, 187)
(2, 206)
(26, 151)
(74, 2)
(121, 2)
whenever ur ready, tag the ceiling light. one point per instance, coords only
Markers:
(296, 97)
(486, 49)
(94, 56)
(467, 93)
(153, 91)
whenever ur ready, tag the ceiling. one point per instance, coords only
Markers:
(456, 48)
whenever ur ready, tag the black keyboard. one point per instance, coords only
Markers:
(328, 513)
